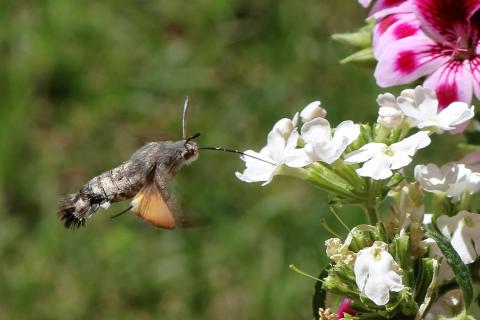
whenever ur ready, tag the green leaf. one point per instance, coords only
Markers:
(319, 296)
(426, 284)
(462, 274)
(359, 39)
(364, 56)
(362, 38)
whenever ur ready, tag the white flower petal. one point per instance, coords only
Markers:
(430, 177)
(365, 153)
(316, 131)
(387, 100)
(346, 130)
(456, 113)
(411, 144)
(257, 170)
(292, 141)
(297, 158)
(426, 101)
(284, 126)
(276, 143)
(474, 182)
(376, 273)
(462, 230)
(399, 160)
(313, 110)
(461, 244)
(408, 108)
(377, 168)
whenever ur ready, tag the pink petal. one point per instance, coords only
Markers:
(382, 25)
(446, 20)
(405, 7)
(472, 161)
(475, 70)
(343, 309)
(385, 4)
(452, 82)
(407, 60)
(407, 25)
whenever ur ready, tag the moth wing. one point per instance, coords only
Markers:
(150, 204)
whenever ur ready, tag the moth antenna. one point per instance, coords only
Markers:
(196, 135)
(121, 213)
(184, 118)
(237, 152)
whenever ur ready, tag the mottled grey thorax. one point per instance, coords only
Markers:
(126, 180)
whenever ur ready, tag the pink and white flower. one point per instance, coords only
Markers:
(442, 44)
(381, 4)
(392, 28)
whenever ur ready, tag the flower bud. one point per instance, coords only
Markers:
(313, 110)
(339, 252)
(389, 114)
(389, 117)
(284, 126)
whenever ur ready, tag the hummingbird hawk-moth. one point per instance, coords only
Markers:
(143, 177)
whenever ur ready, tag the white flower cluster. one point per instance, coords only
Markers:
(453, 179)
(414, 108)
(382, 257)
(319, 144)
(419, 108)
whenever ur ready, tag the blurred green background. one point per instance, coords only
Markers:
(83, 84)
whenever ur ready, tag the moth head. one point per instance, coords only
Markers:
(190, 149)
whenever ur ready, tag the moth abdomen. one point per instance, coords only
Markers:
(67, 211)
(114, 185)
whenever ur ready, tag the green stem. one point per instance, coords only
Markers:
(371, 204)
(322, 176)
(347, 172)
(293, 172)
(465, 201)
(372, 214)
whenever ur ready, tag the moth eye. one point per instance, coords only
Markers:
(187, 153)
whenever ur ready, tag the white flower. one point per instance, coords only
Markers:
(389, 114)
(281, 143)
(452, 179)
(381, 159)
(445, 272)
(462, 230)
(257, 170)
(319, 143)
(422, 112)
(376, 273)
(313, 110)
